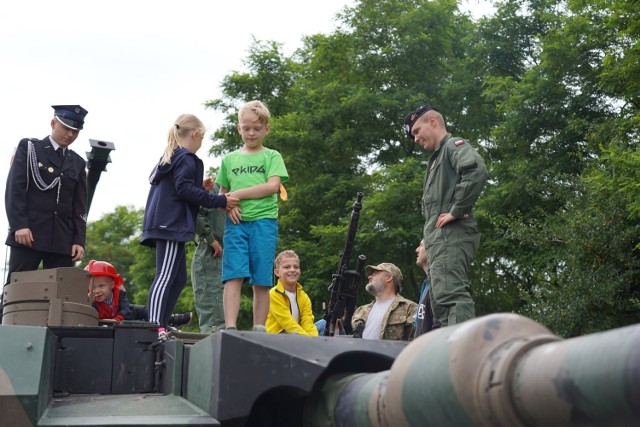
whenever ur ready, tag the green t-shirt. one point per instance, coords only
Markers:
(239, 170)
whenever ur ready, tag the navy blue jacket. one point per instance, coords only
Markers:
(174, 198)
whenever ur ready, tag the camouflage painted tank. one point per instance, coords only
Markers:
(498, 370)
(60, 367)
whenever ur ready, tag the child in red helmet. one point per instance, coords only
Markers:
(109, 296)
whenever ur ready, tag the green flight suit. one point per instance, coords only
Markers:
(206, 270)
(455, 177)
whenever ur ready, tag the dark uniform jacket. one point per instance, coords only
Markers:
(56, 216)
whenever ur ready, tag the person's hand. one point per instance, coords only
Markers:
(24, 237)
(446, 218)
(207, 184)
(232, 202)
(235, 215)
(217, 248)
(77, 253)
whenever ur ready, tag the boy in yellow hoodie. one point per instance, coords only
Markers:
(290, 307)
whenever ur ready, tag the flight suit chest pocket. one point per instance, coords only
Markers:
(430, 191)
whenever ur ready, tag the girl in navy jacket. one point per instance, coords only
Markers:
(177, 190)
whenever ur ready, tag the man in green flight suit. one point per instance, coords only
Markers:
(455, 177)
(206, 269)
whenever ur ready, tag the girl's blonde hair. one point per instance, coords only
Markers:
(257, 108)
(285, 254)
(183, 126)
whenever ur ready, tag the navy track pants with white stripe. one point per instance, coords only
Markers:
(170, 279)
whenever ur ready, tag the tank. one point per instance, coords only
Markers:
(497, 370)
(60, 366)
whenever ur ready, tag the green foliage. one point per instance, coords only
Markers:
(599, 282)
(560, 208)
(337, 120)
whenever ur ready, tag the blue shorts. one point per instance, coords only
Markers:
(249, 251)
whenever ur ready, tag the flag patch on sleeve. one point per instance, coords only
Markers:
(459, 142)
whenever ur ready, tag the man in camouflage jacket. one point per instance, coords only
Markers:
(389, 316)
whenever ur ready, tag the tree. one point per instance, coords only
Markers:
(337, 120)
(559, 114)
(548, 92)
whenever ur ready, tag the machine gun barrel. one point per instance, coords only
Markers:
(343, 290)
(351, 234)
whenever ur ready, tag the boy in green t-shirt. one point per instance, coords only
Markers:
(253, 174)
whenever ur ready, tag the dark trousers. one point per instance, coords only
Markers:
(169, 280)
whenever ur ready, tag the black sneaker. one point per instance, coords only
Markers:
(180, 319)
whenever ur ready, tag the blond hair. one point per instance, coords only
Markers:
(182, 127)
(285, 254)
(257, 108)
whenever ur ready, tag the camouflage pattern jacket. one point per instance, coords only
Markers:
(397, 323)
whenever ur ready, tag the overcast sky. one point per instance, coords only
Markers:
(135, 65)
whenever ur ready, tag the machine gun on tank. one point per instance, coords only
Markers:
(344, 283)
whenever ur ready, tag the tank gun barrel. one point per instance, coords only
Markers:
(498, 370)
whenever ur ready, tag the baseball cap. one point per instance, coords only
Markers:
(387, 267)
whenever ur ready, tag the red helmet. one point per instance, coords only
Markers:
(103, 268)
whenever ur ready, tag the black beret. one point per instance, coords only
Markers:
(413, 116)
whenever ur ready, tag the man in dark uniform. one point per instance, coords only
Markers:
(455, 177)
(46, 197)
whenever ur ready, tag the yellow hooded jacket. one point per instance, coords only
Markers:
(280, 319)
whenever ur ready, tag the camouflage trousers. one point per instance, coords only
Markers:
(450, 256)
(206, 278)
